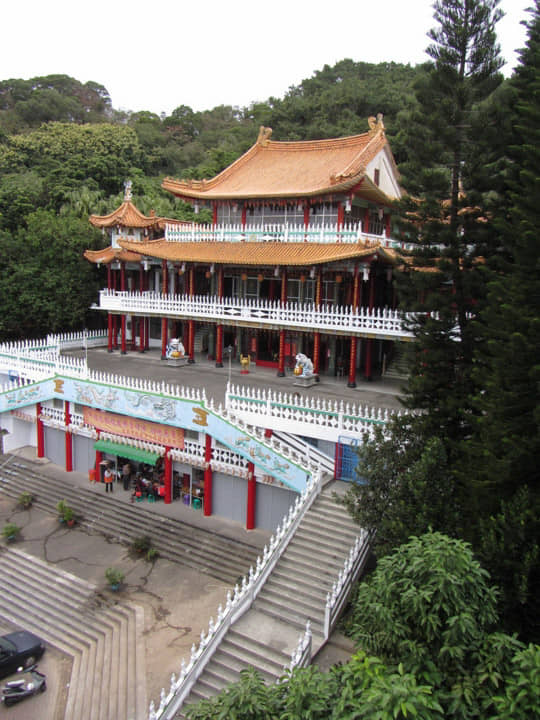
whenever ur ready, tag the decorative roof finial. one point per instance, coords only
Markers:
(127, 189)
(264, 136)
(376, 124)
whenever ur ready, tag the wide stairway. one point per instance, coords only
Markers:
(223, 558)
(103, 638)
(296, 591)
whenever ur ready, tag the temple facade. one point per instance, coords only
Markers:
(298, 259)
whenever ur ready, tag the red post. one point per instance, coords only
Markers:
(69, 438)
(369, 344)
(281, 361)
(99, 458)
(123, 320)
(191, 323)
(352, 358)
(109, 316)
(109, 332)
(40, 432)
(164, 322)
(168, 476)
(219, 346)
(207, 510)
(251, 497)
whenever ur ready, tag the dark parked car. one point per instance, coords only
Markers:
(18, 649)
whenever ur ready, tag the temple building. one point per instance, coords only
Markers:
(298, 258)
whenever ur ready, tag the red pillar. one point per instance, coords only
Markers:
(219, 328)
(109, 333)
(207, 510)
(191, 323)
(99, 458)
(123, 322)
(40, 432)
(369, 344)
(317, 335)
(141, 319)
(340, 216)
(219, 346)
(168, 476)
(352, 357)
(69, 438)
(251, 497)
(164, 322)
(109, 316)
(281, 361)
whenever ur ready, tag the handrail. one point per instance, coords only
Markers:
(237, 604)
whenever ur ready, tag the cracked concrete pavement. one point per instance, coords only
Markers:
(177, 601)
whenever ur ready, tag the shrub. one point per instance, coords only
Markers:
(25, 499)
(10, 531)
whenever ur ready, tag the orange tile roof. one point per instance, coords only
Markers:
(293, 169)
(127, 215)
(254, 253)
(110, 254)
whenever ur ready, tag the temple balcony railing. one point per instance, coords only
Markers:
(267, 314)
(287, 233)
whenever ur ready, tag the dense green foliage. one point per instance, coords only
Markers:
(425, 625)
(465, 461)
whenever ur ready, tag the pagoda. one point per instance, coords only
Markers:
(298, 258)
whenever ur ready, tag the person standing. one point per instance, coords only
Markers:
(126, 475)
(108, 480)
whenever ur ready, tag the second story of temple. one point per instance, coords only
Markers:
(295, 225)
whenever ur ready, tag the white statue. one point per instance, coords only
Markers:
(304, 366)
(175, 349)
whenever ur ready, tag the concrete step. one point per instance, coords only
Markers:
(291, 591)
(105, 641)
(327, 532)
(307, 572)
(288, 615)
(319, 553)
(223, 558)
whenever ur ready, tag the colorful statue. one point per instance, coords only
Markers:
(304, 366)
(175, 349)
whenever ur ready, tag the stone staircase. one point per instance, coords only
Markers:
(104, 638)
(223, 558)
(296, 591)
(398, 367)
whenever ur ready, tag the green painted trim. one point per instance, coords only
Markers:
(126, 451)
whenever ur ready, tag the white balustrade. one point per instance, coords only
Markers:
(266, 313)
(238, 602)
(347, 576)
(287, 411)
(282, 233)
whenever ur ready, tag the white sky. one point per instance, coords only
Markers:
(158, 55)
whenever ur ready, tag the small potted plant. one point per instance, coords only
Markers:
(25, 500)
(10, 531)
(114, 577)
(141, 545)
(69, 516)
(60, 508)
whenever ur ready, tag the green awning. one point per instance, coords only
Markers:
(127, 451)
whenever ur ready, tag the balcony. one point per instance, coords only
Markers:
(270, 315)
(326, 234)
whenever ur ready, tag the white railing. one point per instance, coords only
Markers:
(78, 340)
(283, 233)
(301, 655)
(292, 412)
(353, 566)
(238, 602)
(266, 313)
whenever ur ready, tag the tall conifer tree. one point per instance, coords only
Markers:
(444, 278)
(506, 445)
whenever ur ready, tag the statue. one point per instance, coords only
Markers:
(304, 366)
(175, 349)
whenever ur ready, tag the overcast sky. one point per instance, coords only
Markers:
(158, 55)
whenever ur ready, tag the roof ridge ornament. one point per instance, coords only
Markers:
(376, 124)
(127, 191)
(264, 136)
